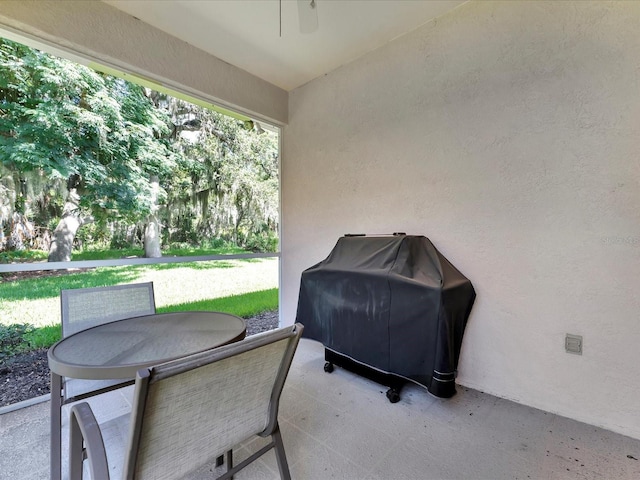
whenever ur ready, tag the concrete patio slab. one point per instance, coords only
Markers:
(342, 426)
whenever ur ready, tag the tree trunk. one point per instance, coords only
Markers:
(152, 230)
(7, 202)
(65, 232)
(21, 232)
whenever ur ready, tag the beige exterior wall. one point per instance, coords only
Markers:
(509, 134)
(96, 30)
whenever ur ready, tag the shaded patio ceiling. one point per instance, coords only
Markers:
(246, 33)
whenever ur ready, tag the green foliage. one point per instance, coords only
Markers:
(42, 337)
(21, 256)
(176, 250)
(92, 236)
(119, 241)
(110, 254)
(227, 186)
(68, 120)
(65, 126)
(11, 339)
(262, 242)
(214, 248)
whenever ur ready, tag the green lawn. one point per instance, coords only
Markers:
(37, 300)
(20, 337)
(242, 287)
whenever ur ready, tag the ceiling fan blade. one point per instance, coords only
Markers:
(308, 15)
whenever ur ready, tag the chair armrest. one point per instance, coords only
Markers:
(84, 433)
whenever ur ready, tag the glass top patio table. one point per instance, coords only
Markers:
(119, 349)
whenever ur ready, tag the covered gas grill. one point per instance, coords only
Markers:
(390, 308)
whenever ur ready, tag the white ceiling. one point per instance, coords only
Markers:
(246, 33)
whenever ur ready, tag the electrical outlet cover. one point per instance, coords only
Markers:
(573, 344)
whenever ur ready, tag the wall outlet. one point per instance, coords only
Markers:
(573, 344)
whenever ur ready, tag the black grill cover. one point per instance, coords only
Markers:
(393, 303)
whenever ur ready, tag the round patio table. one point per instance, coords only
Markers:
(117, 350)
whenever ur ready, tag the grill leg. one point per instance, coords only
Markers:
(394, 382)
(393, 395)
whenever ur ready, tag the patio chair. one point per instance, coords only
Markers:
(83, 308)
(189, 411)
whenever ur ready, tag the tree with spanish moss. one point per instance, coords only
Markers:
(99, 136)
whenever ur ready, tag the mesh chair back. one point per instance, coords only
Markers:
(84, 308)
(189, 411)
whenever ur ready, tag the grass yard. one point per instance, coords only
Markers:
(36, 301)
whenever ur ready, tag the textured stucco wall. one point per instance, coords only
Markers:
(509, 134)
(98, 31)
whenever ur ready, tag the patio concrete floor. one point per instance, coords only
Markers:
(342, 426)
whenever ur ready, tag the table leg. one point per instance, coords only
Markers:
(56, 427)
